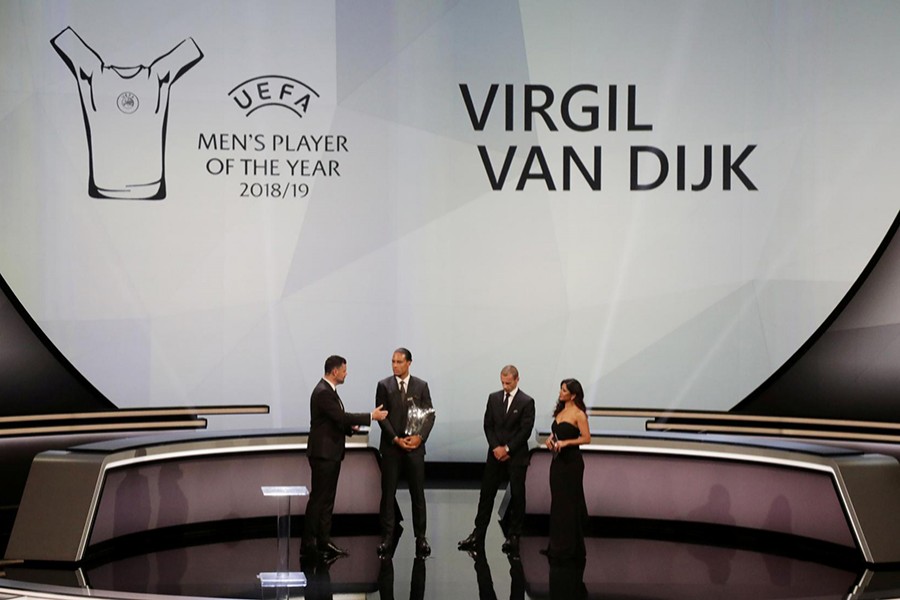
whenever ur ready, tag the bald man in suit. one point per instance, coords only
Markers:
(508, 421)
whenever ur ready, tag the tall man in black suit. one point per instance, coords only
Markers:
(402, 448)
(329, 423)
(508, 421)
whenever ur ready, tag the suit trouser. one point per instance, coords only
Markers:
(320, 507)
(496, 472)
(413, 464)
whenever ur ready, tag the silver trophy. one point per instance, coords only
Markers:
(416, 417)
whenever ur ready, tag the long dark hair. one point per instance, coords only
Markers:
(574, 388)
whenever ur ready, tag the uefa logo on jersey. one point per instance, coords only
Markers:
(126, 154)
(127, 102)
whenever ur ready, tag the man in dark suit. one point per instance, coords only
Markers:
(508, 421)
(403, 447)
(329, 423)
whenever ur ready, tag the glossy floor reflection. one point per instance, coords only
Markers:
(615, 568)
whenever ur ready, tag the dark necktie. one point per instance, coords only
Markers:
(405, 416)
(506, 403)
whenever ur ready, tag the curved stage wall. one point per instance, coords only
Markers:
(821, 494)
(850, 369)
(666, 217)
(35, 378)
(121, 488)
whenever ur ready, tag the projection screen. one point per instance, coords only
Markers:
(202, 200)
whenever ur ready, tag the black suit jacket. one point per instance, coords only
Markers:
(329, 423)
(387, 393)
(510, 428)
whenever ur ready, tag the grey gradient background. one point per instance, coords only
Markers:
(666, 298)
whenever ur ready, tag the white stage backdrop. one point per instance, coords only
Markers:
(202, 200)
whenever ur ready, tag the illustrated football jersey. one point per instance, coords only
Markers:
(125, 111)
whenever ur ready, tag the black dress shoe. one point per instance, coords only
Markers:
(386, 548)
(511, 545)
(322, 564)
(329, 550)
(423, 550)
(473, 542)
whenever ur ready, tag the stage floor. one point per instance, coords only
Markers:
(616, 567)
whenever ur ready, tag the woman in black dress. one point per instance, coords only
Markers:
(568, 511)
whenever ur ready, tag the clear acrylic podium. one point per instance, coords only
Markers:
(283, 577)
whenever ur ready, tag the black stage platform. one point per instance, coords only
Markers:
(617, 566)
(672, 516)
